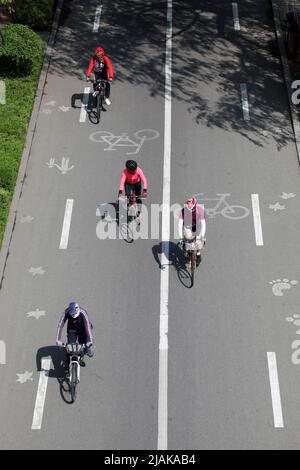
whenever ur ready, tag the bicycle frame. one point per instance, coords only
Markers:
(131, 203)
(75, 352)
(100, 85)
(190, 247)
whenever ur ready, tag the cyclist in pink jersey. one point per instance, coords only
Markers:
(133, 178)
(192, 224)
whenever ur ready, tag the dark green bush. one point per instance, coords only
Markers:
(5, 198)
(37, 14)
(9, 161)
(21, 53)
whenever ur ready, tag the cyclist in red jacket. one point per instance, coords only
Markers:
(101, 66)
(133, 177)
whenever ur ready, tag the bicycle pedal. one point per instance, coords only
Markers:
(82, 363)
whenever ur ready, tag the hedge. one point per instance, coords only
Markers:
(21, 53)
(37, 14)
(5, 200)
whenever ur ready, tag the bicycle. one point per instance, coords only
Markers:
(190, 248)
(75, 351)
(99, 92)
(132, 213)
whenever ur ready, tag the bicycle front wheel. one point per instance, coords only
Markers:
(73, 382)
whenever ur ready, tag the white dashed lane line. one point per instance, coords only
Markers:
(85, 100)
(66, 225)
(41, 394)
(236, 20)
(257, 220)
(275, 390)
(245, 102)
(97, 19)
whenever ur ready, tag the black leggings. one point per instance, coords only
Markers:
(107, 88)
(73, 336)
(137, 188)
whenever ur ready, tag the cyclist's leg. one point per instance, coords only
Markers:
(107, 90)
(138, 191)
(96, 77)
(72, 336)
(127, 189)
(199, 245)
(83, 340)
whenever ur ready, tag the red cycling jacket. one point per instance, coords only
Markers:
(107, 63)
(132, 178)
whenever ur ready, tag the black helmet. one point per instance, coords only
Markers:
(131, 165)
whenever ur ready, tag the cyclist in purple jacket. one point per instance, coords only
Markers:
(79, 327)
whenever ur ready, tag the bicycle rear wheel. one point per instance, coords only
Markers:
(73, 382)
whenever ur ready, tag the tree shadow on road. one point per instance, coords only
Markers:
(209, 59)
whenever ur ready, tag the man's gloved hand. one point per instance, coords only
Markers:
(144, 193)
(89, 349)
(120, 193)
(59, 343)
(110, 79)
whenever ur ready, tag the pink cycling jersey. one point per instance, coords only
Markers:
(132, 178)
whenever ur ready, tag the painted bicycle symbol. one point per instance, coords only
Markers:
(228, 211)
(123, 140)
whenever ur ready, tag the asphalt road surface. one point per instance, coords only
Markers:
(199, 101)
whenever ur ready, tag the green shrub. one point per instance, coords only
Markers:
(21, 53)
(5, 199)
(9, 161)
(37, 14)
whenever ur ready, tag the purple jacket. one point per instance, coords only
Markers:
(82, 325)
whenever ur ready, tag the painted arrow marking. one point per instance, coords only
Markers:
(36, 314)
(64, 168)
(35, 271)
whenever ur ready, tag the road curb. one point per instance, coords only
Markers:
(11, 221)
(286, 73)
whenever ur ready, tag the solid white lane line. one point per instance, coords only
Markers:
(236, 20)
(97, 19)
(257, 220)
(275, 391)
(162, 440)
(41, 394)
(85, 101)
(245, 103)
(66, 225)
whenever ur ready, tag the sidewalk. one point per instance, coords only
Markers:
(280, 10)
